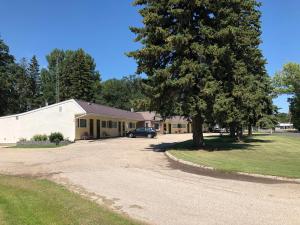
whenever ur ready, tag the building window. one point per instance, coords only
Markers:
(181, 125)
(82, 123)
(114, 124)
(109, 124)
(60, 108)
(17, 118)
(147, 125)
(156, 126)
(131, 125)
(103, 124)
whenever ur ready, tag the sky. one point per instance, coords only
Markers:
(101, 28)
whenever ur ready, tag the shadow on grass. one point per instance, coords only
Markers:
(215, 143)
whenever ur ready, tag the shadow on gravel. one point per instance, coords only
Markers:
(161, 147)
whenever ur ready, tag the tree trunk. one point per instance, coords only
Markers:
(250, 130)
(239, 135)
(197, 124)
(232, 130)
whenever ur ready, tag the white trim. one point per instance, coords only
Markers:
(42, 108)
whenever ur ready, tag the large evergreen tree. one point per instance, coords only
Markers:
(15, 85)
(22, 86)
(77, 74)
(175, 44)
(47, 87)
(202, 60)
(244, 97)
(79, 78)
(35, 83)
(6, 60)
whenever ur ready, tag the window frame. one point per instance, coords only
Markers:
(82, 125)
(114, 124)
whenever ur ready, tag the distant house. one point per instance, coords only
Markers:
(77, 120)
(284, 126)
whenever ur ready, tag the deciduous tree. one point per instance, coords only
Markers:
(287, 81)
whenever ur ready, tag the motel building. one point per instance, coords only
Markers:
(78, 120)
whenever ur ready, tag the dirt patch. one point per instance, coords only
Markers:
(135, 207)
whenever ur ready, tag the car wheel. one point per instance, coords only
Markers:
(131, 135)
(149, 135)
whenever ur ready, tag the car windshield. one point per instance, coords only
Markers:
(140, 129)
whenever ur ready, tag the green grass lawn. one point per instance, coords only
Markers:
(261, 154)
(28, 201)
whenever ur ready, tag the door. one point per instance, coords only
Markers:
(170, 128)
(188, 127)
(91, 128)
(98, 129)
(120, 129)
(123, 128)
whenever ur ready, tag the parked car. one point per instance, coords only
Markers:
(142, 132)
(216, 130)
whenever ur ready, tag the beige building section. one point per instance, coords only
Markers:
(58, 117)
(174, 125)
(98, 126)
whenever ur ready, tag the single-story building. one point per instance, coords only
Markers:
(284, 126)
(77, 119)
(73, 118)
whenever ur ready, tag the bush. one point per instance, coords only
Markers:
(40, 137)
(56, 137)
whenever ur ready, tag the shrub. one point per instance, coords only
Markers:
(40, 137)
(56, 137)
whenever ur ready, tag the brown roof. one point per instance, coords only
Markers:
(155, 117)
(93, 108)
(148, 115)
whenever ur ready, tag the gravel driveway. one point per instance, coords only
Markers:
(133, 177)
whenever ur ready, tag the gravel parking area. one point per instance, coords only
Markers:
(134, 177)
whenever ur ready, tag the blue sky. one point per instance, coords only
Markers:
(35, 27)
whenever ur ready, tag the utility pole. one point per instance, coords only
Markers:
(57, 81)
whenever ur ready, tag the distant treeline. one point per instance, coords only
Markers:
(24, 86)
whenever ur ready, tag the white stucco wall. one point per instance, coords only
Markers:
(54, 118)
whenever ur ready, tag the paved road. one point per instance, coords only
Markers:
(130, 176)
